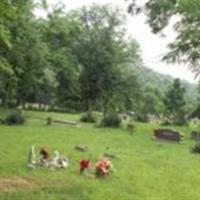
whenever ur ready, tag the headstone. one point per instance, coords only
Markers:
(81, 148)
(32, 158)
(167, 134)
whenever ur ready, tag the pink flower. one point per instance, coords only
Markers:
(103, 167)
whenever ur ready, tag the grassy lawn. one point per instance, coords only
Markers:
(145, 169)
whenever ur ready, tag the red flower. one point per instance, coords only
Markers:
(84, 164)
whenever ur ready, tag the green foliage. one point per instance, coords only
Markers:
(196, 148)
(88, 52)
(130, 127)
(175, 103)
(75, 61)
(15, 118)
(49, 121)
(196, 111)
(185, 48)
(174, 97)
(141, 117)
(111, 119)
(89, 116)
(186, 15)
(101, 51)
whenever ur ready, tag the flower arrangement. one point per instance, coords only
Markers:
(84, 165)
(103, 168)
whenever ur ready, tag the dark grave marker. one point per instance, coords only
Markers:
(167, 134)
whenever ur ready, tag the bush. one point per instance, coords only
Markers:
(140, 117)
(14, 118)
(89, 117)
(130, 128)
(166, 121)
(174, 120)
(49, 120)
(196, 148)
(111, 120)
(180, 121)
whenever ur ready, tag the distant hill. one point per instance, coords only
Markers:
(161, 82)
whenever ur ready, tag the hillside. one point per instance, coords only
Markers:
(161, 82)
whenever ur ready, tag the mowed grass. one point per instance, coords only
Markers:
(145, 169)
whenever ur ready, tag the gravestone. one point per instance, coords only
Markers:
(167, 134)
(81, 148)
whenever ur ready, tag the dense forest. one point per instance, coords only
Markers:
(81, 60)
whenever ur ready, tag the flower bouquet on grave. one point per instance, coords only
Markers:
(103, 168)
(84, 165)
(45, 157)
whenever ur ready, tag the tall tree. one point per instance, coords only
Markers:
(174, 102)
(61, 36)
(196, 112)
(102, 50)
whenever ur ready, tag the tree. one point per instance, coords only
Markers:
(9, 13)
(185, 48)
(7, 81)
(151, 100)
(175, 103)
(61, 35)
(196, 112)
(101, 51)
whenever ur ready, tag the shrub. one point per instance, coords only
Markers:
(196, 148)
(14, 118)
(180, 121)
(130, 128)
(111, 120)
(1, 120)
(89, 117)
(141, 117)
(49, 120)
(166, 121)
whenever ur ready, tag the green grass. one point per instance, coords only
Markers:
(145, 169)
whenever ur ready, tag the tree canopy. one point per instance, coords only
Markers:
(186, 14)
(80, 60)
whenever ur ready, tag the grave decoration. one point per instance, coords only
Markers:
(46, 160)
(167, 134)
(45, 157)
(103, 168)
(84, 165)
(58, 161)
